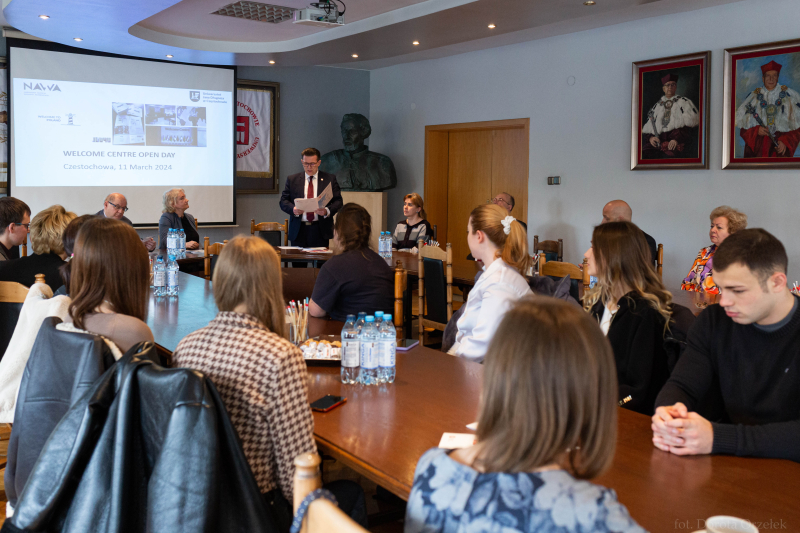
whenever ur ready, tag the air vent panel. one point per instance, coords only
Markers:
(256, 11)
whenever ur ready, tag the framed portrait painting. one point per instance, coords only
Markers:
(761, 125)
(669, 113)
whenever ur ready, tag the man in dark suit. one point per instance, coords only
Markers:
(315, 229)
(620, 211)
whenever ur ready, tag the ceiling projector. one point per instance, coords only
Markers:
(325, 13)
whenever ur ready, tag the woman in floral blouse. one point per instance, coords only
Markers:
(547, 424)
(724, 221)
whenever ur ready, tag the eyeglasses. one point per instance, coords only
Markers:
(27, 226)
(311, 164)
(497, 201)
(124, 209)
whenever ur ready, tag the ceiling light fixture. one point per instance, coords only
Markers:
(77, 39)
(415, 43)
(492, 26)
(589, 3)
(169, 56)
(44, 17)
(271, 61)
(355, 55)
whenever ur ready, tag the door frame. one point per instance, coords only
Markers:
(507, 124)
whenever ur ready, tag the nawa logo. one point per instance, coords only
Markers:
(40, 86)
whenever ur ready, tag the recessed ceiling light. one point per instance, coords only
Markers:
(589, 3)
(271, 62)
(355, 55)
(44, 17)
(169, 56)
(415, 43)
(492, 26)
(77, 39)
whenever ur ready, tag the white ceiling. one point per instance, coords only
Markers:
(379, 31)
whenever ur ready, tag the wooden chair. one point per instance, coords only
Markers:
(400, 285)
(23, 250)
(558, 269)
(660, 260)
(441, 264)
(551, 247)
(208, 251)
(271, 227)
(322, 516)
(435, 235)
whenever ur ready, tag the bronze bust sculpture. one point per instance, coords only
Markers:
(355, 167)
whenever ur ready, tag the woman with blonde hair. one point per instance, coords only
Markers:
(46, 229)
(499, 241)
(259, 374)
(415, 226)
(547, 423)
(633, 309)
(174, 216)
(725, 221)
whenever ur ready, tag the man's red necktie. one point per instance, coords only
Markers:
(310, 194)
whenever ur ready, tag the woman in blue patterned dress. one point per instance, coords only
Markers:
(547, 424)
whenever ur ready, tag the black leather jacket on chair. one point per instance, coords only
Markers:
(61, 367)
(145, 449)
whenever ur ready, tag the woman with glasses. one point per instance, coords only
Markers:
(408, 231)
(174, 216)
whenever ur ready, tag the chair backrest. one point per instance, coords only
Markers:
(400, 284)
(558, 269)
(322, 516)
(553, 249)
(435, 232)
(660, 260)
(271, 231)
(12, 297)
(208, 251)
(23, 250)
(437, 265)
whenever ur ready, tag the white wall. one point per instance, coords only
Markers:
(582, 132)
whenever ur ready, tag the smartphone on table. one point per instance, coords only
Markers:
(327, 402)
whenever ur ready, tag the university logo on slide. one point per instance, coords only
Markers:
(194, 96)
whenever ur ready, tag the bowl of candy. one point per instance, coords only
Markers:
(324, 350)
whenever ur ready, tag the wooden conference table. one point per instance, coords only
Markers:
(381, 431)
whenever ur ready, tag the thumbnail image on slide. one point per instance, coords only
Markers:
(191, 116)
(159, 115)
(175, 136)
(127, 121)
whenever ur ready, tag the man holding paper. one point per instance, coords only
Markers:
(312, 198)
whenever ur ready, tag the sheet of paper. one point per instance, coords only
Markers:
(307, 204)
(312, 204)
(452, 441)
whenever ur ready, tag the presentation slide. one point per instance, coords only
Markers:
(95, 125)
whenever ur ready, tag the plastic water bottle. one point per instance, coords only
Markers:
(351, 351)
(368, 374)
(181, 244)
(159, 277)
(360, 322)
(378, 319)
(388, 341)
(172, 277)
(172, 242)
(388, 245)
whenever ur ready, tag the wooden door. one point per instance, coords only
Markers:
(469, 184)
(510, 168)
(436, 165)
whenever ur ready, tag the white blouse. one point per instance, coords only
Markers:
(498, 287)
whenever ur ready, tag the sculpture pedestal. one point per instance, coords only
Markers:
(376, 203)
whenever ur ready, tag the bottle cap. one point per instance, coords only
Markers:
(349, 317)
(378, 313)
(172, 258)
(387, 318)
(370, 318)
